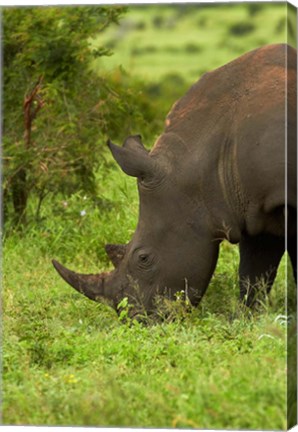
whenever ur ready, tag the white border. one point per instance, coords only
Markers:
(110, 2)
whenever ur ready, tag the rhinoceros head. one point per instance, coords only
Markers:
(169, 251)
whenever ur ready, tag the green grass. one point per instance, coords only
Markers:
(70, 361)
(78, 364)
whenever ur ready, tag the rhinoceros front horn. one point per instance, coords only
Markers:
(91, 285)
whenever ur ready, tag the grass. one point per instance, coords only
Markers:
(70, 361)
(169, 375)
(78, 364)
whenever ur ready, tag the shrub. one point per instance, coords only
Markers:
(254, 8)
(58, 112)
(241, 28)
(192, 48)
(51, 100)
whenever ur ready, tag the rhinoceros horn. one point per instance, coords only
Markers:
(91, 285)
(115, 252)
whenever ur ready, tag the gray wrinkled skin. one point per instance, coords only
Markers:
(219, 171)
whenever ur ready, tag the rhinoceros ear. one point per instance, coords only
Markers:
(133, 158)
(115, 252)
(134, 142)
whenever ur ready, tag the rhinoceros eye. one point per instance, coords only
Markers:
(145, 261)
(143, 258)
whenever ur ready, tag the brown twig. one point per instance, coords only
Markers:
(33, 102)
(30, 111)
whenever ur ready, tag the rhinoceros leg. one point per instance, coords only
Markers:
(259, 259)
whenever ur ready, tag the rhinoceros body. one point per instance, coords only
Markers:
(224, 168)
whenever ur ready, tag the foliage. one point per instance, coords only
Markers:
(47, 84)
(57, 111)
(85, 222)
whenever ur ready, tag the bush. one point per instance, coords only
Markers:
(254, 8)
(141, 25)
(191, 48)
(58, 112)
(149, 49)
(51, 100)
(158, 22)
(241, 28)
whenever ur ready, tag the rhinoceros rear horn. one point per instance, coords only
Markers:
(91, 285)
(133, 158)
(115, 252)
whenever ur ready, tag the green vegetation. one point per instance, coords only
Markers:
(160, 40)
(57, 109)
(70, 361)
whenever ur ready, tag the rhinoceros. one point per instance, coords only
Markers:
(224, 168)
